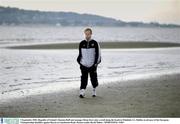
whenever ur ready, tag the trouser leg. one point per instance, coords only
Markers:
(93, 76)
(84, 77)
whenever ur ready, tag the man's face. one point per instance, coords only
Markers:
(87, 35)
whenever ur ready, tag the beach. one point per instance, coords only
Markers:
(157, 96)
(140, 83)
(138, 76)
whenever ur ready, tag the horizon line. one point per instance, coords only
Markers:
(145, 22)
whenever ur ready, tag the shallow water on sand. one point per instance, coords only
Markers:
(27, 72)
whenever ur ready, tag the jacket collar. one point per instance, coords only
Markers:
(89, 39)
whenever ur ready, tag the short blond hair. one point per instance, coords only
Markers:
(88, 29)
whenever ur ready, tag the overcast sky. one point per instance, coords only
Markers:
(163, 11)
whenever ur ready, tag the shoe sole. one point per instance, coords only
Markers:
(81, 96)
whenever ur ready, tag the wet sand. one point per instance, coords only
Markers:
(104, 45)
(153, 97)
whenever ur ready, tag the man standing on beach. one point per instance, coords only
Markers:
(89, 57)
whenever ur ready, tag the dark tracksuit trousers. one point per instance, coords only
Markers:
(84, 76)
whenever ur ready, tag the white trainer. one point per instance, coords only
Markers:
(82, 93)
(94, 92)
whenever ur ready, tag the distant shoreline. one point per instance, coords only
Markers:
(16, 16)
(104, 45)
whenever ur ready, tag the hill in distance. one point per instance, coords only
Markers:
(16, 16)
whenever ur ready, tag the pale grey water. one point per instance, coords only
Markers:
(44, 34)
(22, 71)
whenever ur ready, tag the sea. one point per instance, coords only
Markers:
(30, 72)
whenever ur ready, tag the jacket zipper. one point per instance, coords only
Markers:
(87, 44)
